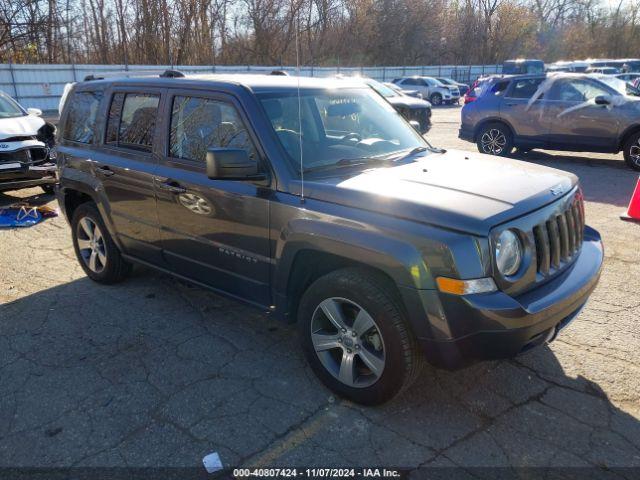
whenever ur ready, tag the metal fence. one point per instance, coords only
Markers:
(39, 85)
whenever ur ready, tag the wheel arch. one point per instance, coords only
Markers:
(633, 129)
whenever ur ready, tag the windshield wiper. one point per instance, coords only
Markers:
(345, 162)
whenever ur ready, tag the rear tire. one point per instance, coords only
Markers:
(356, 338)
(495, 139)
(631, 151)
(97, 254)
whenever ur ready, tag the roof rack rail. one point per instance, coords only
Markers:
(172, 74)
(133, 73)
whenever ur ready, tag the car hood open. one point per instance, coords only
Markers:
(456, 190)
(27, 125)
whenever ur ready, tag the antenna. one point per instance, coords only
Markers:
(299, 110)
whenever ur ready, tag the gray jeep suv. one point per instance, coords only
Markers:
(313, 199)
(571, 112)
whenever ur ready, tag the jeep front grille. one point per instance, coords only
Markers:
(558, 240)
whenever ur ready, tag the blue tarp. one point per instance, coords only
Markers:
(23, 215)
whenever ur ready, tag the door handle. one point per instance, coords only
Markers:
(172, 187)
(105, 171)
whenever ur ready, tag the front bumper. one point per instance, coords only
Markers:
(499, 326)
(28, 176)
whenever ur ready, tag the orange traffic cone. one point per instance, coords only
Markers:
(633, 212)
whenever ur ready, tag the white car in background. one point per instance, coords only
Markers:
(26, 141)
(431, 89)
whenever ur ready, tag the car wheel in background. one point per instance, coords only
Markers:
(97, 254)
(356, 338)
(436, 99)
(631, 151)
(495, 139)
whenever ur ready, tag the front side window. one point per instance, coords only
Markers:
(576, 91)
(9, 108)
(132, 120)
(198, 124)
(525, 88)
(337, 127)
(81, 118)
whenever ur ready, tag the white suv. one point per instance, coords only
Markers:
(431, 89)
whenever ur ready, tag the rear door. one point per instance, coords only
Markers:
(214, 231)
(525, 116)
(126, 165)
(576, 122)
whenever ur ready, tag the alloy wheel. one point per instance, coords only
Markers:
(634, 153)
(348, 342)
(493, 141)
(91, 245)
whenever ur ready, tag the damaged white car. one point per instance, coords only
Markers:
(564, 111)
(26, 144)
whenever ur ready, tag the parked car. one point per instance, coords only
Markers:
(462, 87)
(575, 113)
(564, 66)
(603, 70)
(26, 141)
(410, 93)
(318, 203)
(628, 77)
(411, 108)
(431, 89)
(523, 66)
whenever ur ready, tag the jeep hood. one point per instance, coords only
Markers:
(456, 190)
(26, 125)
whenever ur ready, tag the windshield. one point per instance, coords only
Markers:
(9, 108)
(382, 89)
(339, 126)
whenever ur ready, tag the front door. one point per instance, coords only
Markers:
(577, 123)
(125, 165)
(214, 231)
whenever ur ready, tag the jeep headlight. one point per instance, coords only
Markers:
(508, 253)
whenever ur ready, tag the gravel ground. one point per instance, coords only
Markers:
(154, 372)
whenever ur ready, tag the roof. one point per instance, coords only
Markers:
(254, 82)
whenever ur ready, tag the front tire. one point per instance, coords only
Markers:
(631, 151)
(495, 139)
(436, 99)
(356, 337)
(97, 254)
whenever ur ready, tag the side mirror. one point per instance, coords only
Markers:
(231, 164)
(603, 100)
(415, 124)
(36, 112)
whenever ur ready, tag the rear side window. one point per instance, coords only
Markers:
(81, 118)
(132, 120)
(525, 88)
(198, 124)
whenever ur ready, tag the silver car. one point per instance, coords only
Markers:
(570, 112)
(431, 89)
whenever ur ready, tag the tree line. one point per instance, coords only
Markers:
(319, 32)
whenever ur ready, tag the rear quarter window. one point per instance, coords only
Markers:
(524, 88)
(81, 117)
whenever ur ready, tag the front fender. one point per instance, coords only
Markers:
(401, 261)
